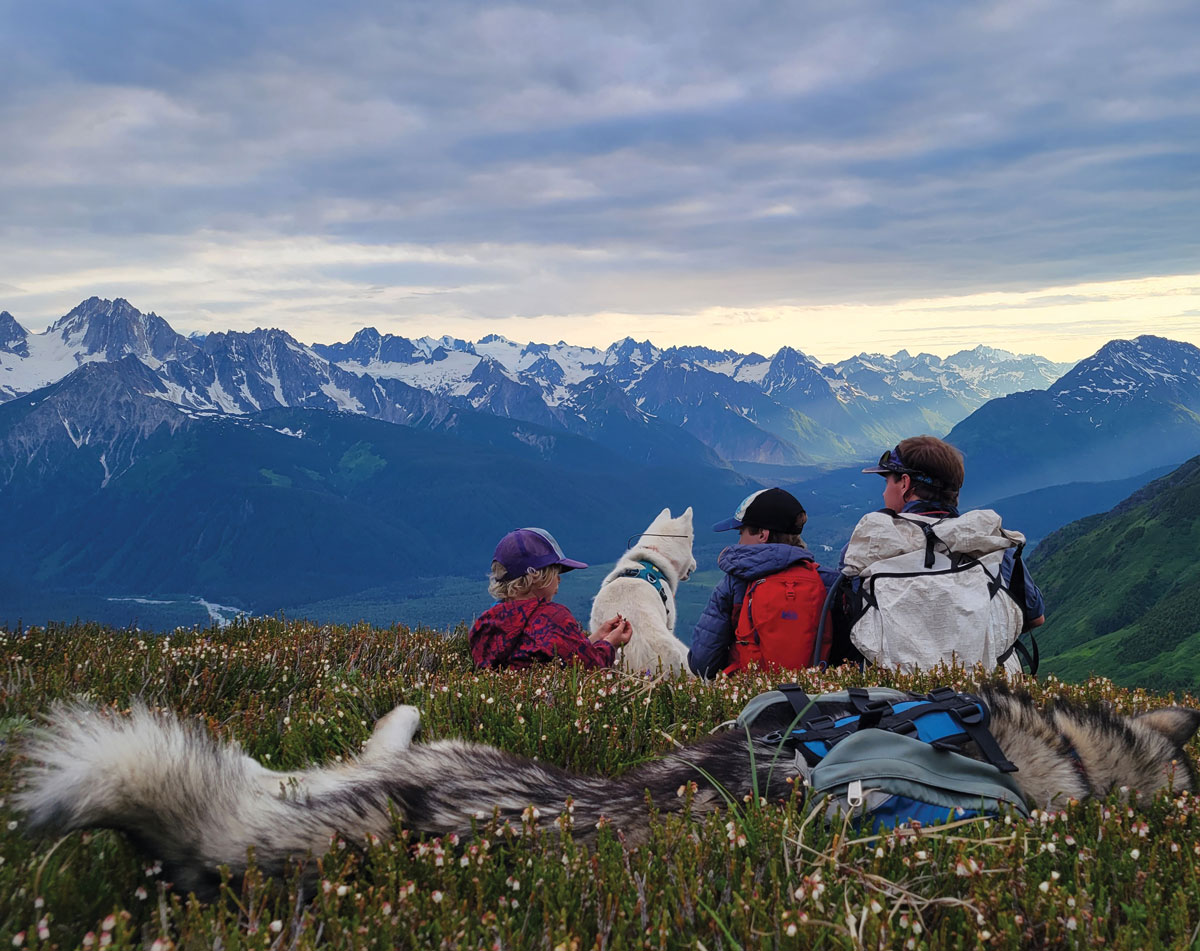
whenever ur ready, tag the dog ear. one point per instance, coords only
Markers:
(1177, 724)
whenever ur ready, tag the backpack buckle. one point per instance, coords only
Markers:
(969, 714)
(903, 727)
(943, 693)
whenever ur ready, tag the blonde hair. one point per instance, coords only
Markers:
(513, 589)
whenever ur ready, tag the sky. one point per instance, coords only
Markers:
(836, 177)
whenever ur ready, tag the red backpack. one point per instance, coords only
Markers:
(777, 620)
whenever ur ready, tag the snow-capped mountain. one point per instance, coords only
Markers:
(13, 337)
(786, 409)
(1133, 405)
(1126, 371)
(95, 330)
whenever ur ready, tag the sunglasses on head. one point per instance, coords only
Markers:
(890, 460)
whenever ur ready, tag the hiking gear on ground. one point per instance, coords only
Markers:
(528, 549)
(776, 510)
(779, 619)
(930, 590)
(886, 758)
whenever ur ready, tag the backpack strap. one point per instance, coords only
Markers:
(930, 538)
(800, 701)
(837, 586)
(972, 715)
(1031, 660)
(967, 713)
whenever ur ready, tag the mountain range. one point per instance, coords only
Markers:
(1131, 406)
(250, 469)
(651, 404)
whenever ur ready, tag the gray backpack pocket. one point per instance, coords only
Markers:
(882, 779)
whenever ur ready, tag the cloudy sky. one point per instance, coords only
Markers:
(834, 176)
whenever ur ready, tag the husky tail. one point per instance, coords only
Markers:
(181, 796)
(198, 804)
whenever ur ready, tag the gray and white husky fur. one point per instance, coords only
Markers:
(667, 545)
(197, 803)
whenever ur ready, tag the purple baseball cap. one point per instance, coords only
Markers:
(528, 549)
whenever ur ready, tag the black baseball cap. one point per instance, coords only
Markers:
(776, 510)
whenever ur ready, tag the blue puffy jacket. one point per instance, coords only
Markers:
(742, 564)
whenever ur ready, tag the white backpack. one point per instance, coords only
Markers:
(931, 591)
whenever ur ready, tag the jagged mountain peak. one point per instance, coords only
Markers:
(97, 308)
(447, 343)
(13, 337)
(1122, 368)
(789, 356)
(114, 328)
(982, 352)
(368, 335)
(630, 349)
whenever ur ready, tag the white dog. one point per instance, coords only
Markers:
(641, 588)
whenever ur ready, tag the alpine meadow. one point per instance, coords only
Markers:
(1102, 873)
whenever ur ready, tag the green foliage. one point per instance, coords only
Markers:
(1122, 588)
(756, 875)
(359, 463)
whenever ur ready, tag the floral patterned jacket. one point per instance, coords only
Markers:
(519, 634)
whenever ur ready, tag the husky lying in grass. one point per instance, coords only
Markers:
(641, 588)
(198, 804)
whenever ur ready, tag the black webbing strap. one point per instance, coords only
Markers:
(971, 713)
(802, 704)
(930, 538)
(825, 609)
(1016, 581)
(966, 710)
(1032, 660)
(930, 541)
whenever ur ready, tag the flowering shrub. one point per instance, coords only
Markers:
(1099, 874)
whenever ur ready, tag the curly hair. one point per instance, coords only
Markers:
(513, 589)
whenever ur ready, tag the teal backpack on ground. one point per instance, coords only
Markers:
(886, 758)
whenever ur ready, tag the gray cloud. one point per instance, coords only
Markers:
(578, 157)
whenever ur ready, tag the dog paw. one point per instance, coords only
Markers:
(394, 732)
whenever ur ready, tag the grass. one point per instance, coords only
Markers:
(1096, 875)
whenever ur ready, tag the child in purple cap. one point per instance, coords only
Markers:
(525, 627)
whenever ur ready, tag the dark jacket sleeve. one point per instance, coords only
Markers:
(1035, 604)
(554, 633)
(712, 637)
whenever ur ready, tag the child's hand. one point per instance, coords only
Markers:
(616, 631)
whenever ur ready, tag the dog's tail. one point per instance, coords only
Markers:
(198, 804)
(182, 797)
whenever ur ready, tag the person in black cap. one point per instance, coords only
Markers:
(778, 626)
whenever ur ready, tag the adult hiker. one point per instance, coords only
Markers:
(766, 609)
(932, 585)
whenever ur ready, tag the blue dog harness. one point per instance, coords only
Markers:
(647, 572)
